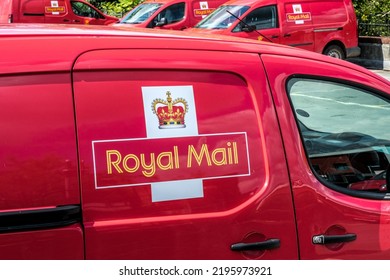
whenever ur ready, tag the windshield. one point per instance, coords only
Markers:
(141, 13)
(221, 18)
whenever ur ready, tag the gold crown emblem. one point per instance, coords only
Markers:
(204, 6)
(170, 113)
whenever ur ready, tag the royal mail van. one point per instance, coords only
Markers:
(325, 26)
(52, 11)
(153, 144)
(169, 14)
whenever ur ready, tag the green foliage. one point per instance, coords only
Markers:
(115, 7)
(373, 17)
(372, 10)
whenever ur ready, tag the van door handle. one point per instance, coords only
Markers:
(66, 20)
(287, 35)
(328, 239)
(76, 20)
(39, 219)
(274, 36)
(264, 245)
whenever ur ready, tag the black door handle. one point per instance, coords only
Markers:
(287, 35)
(328, 239)
(264, 245)
(274, 36)
(45, 218)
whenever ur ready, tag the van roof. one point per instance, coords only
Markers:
(55, 47)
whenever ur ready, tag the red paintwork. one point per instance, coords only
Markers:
(45, 164)
(319, 209)
(56, 244)
(45, 11)
(326, 23)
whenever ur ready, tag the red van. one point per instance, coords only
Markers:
(169, 14)
(153, 144)
(52, 11)
(325, 26)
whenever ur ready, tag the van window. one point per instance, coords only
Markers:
(261, 18)
(171, 14)
(223, 17)
(83, 10)
(345, 133)
(141, 13)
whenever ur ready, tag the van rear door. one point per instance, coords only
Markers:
(180, 157)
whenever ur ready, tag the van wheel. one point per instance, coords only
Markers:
(334, 51)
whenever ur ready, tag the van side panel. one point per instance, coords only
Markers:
(32, 11)
(328, 13)
(321, 209)
(38, 170)
(198, 10)
(59, 11)
(185, 188)
(54, 244)
(297, 25)
(334, 21)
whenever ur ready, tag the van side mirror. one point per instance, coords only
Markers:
(162, 22)
(248, 28)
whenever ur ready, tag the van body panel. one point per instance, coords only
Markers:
(56, 244)
(188, 199)
(48, 11)
(39, 168)
(319, 26)
(320, 210)
(94, 168)
(38, 158)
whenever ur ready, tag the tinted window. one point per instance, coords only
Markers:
(84, 10)
(261, 18)
(223, 17)
(345, 133)
(141, 13)
(172, 14)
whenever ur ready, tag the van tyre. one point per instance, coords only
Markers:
(334, 51)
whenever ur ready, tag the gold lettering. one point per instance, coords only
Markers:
(176, 153)
(115, 163)
(150, 169)
(198, 157)
(136, 163)
(229, 151)
(167, 166)
(235, 153)
(221, 151)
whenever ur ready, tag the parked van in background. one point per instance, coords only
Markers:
(170, 14)
(325, 26)
(52, 11)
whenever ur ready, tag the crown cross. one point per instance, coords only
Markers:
(170, 113)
